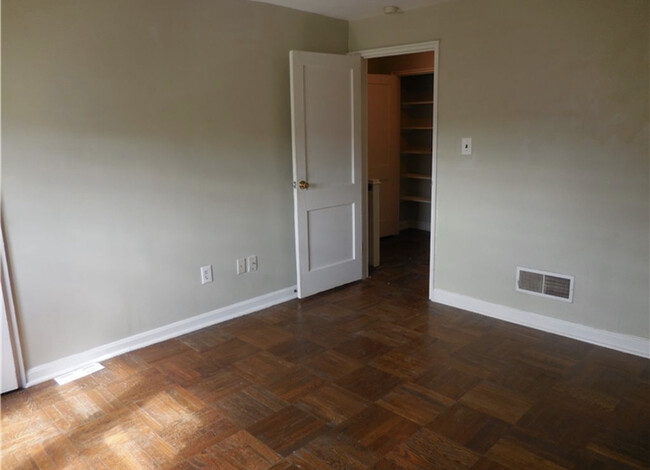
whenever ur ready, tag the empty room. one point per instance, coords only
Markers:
(325, 234)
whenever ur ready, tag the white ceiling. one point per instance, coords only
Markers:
(350, 9)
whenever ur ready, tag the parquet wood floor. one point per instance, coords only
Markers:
(367, 376)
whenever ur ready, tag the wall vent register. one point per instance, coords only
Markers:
(546, 284)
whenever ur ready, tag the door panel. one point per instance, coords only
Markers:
(383, 147)
(329, 126)
(331, 236)
(326, 134)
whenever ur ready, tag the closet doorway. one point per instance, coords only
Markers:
(402, 109)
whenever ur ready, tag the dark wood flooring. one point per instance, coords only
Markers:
(368, 376)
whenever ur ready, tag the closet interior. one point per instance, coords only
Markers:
(400, 137)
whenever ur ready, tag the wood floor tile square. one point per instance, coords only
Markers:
(239, 451)
(377, 429)
(332, 451)
(515, 457)
(332, 365)
(34, 456)
(250, 405)
(77, 409)
(473, 429)
(415, 402)
(197, 432)
(223, 355)
(497, 401)
(449, 382)
(613, 382)
(218, 385)
(362, 349)
(279, 314)
(304, 460)
(295, 383)
(119, 368)
(530, 382)
(130, 455)
(369, 383)
(318, 330)
(390, 334)
(262, 368)
(332, 312)
(559, 424)
(298, 428)
(487, 464)
(448, 333)
(153, 451)
(50, 393)
(242, 324)
(285, 465)
(159, 351)
(332, 404)
(171, 406)
(138, 387)
(428, 450)
(60, 451)
(542, 359)
(297, 350)
(408, 363)
(621, 447)
(102, 430)
(632, 416)
(206, 338)
(183, 465)
(263, 336)
(584, 397)
(181, 367)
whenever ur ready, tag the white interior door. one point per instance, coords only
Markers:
(328, 183)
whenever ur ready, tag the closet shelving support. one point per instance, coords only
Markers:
(416, 127)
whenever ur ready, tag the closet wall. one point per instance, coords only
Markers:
(399, 138)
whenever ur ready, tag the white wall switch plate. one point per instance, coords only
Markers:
(206, 274)
(466, 145)
(252, 263)
(241, 265)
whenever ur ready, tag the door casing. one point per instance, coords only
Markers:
(430, 46)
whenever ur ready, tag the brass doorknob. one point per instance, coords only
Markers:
(303, 184)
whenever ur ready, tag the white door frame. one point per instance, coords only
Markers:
(400, 50)
(10, 312)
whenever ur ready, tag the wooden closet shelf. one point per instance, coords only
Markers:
(416, 176)
(416, 199)
(416, 103)
(415, 152)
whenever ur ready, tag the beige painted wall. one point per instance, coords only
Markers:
(554, 94)
(142, 140)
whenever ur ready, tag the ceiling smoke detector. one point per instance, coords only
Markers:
(391, 10)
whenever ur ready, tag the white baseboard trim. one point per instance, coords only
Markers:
(44, 372)
(608, 339)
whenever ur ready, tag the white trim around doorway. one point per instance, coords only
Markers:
(411, 49)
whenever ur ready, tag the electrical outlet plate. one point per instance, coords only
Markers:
(252, 263)
(241, 265)
(206, 274)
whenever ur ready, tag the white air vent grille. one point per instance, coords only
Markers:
(533, 281)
